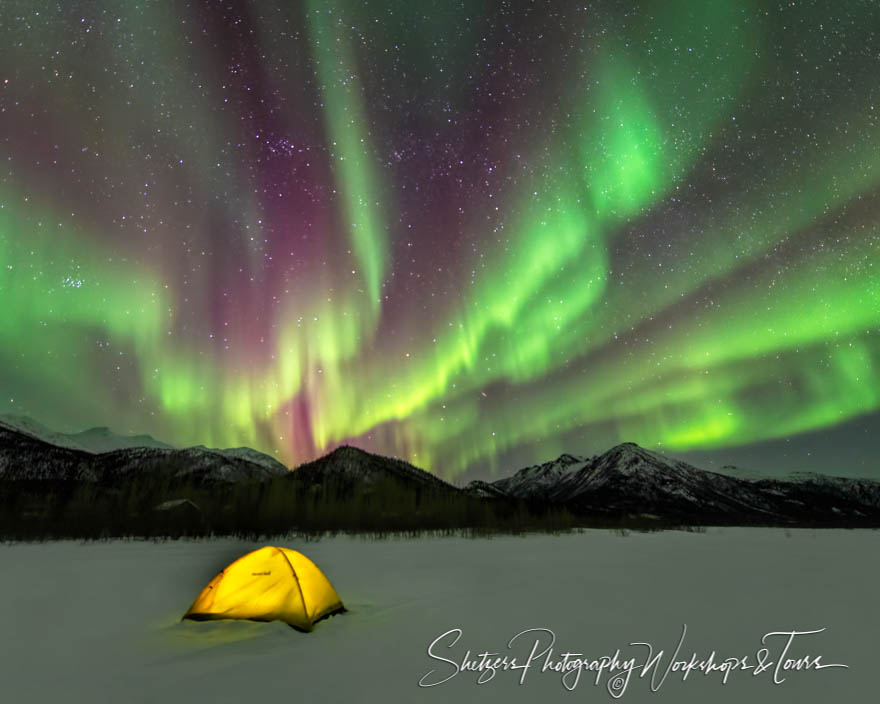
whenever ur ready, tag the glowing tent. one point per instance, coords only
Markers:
(266, 585)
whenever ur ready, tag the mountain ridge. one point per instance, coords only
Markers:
(100, 440)
(347, 465)
(25, 457)
(628, 479)
(95, 440)
(625, 481)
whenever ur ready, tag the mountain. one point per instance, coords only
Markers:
(93, 440)
(250, 455)
(101, 439)
(484, 490)
(349, 467)
(25, 457)
(543, 481)
(629, 480)
(35, 429)
(625, 481)
(741, 473)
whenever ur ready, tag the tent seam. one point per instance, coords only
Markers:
(298, 585)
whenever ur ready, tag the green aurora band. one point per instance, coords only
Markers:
(676, 267)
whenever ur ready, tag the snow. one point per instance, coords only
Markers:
(100, 622)
(254, 456)
(541, 478)
(38, 430)
(93, 440)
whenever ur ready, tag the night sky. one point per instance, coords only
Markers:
(473, 235)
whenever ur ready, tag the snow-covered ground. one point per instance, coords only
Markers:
(100, 622)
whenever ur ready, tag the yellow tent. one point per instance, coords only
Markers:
(266, 585)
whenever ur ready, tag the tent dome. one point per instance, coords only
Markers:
(268, 584)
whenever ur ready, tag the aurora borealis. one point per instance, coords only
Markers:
(472, 235)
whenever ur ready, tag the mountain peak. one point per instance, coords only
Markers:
(628, 458)
(353, 466)
(631, 449)
(347, 450)
(627, 447)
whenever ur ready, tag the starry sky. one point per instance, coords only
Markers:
(473, 235)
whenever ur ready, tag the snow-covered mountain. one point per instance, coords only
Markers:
(95, 440)
(250, 455)
(731, 470)
(630, 480)
(627, 480)
(542, 481)
(25, 457)
(101, 440)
